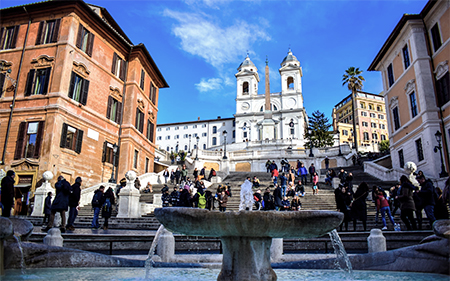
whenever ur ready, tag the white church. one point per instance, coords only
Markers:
(261, 118)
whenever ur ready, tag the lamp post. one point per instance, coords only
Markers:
(225, 145)
(339, 140)
(176, 148)
(310, 143)
(438, 136)
(190, 144)
(196, 156)
(113, 178)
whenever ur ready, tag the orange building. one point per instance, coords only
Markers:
(414, 66)
(71, 86)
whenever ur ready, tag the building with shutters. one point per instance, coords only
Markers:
(414, 68)
(72, 85)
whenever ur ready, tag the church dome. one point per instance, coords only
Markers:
(246, 63)
(289, 58)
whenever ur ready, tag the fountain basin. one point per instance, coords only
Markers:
(247, 236)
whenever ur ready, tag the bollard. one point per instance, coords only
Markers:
(53, 237)
(276, 249)
(165, 247)
(376, 241)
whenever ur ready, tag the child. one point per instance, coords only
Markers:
(315, 184)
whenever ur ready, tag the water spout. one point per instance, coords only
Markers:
(149, 262)
(22, 260)
(342, 260)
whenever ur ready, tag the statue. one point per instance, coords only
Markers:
(246, 196)
(410, 168)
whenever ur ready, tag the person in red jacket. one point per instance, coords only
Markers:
(383, 206)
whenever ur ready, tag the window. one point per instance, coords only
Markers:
(168, 129)
(141, 84)
(272, 107)
(245, 88)
(401, 159)
(135, 159)
(373, 125)
(37, 81)
(363, 113)
(79, 88)
(203, 125)
(48, 32)
(292, 131)
(167, 148)
(436, 37)
(373, 115)
(185, 147)
(195, 135)
(383, 137)
(185, 136)
(290, 83)
(203, 134)
(152, 94)
(390, 73)
(405, 56)
(362, 105)
(366, 136)
(204, 146)
(108, 154)
(443, 89)
(214, 129)
(29, 140)
(374, 136)
(139, 124)
(234, 134)
(146, 164)
(370, 106)
(85, 40)
(419, 150)
(167, 137)
(365, 124)
(382, 126)
(8, 37)
(194, 126)
(2, 82)
(379, 108)
(119, 67)
(396, 118)
(380, 116)
(177, 137)
(159, 138)
(245, 135)
(413, 103)
(344, 132)
(151, 131)
(114, 110)
(159, 129)
(185, 127)
(71, 138)
(214, 141)
(177, 128)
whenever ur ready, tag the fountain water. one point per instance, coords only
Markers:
(22, 259)
(149, 263)
(342, 260)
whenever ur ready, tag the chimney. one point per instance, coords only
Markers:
(198, 118)
(218, 117)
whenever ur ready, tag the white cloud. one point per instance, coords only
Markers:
(209, 85)
(217, 45)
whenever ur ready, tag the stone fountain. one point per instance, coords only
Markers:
(247, 236)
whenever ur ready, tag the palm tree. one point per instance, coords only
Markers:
(353, 79)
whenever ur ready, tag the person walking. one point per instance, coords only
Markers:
(428, 195)
(7, 197)
(358, 209)
(383, 205)
(108, 201)
(74, 201)
(312, 170)
(303, 174)
(97, 203)
(315, 184)
(407, 206)
(60, 204)
(47, 207)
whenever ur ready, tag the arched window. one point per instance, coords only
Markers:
(290, 83)
(185, 147)
(214, 141)
(272, 107)
(245, 88)
(214, 129)
(204, 146)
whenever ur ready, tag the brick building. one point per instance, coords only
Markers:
(415, 72)
(71, 86)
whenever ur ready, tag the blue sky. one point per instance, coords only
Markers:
(198, 46)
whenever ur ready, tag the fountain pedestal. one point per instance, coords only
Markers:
(247, 236)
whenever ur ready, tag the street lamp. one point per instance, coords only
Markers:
(310, 143)
(196, 156)
(114, 149)
(438, 136)
(190, 145)
(225, 144)
(176, 148)
(339, 140)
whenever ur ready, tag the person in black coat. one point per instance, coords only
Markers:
(277, 197)
(47, 207)
(60, 204)
(97, 203)
(74, 200)
(185, 198)
(359, 207)
(8, 193)
(343, 200)
(108, 201)
(268, 200)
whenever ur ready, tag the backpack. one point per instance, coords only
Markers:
(106, 208)
(201, 200)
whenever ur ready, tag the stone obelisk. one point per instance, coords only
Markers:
(268, 125)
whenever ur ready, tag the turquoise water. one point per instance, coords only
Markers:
(193, 274)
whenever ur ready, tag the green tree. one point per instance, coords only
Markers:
(383, 146)
(318, 131)
(353, 79)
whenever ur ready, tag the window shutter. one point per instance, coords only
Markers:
(56, 31)
(79, 141)
(108, 109)
(119, 113)
(39, 33)
(90, 44)
(39, 137)
(47, 78)
(1, 38)
(63, 136)
(80, 33)
(30, 82)
(141, 125)
(14, 38)
(2, 82)
(123, 69)
(20, 140)
(148, 129)
(117, 156)
(72, 85)
(104, 151)
(142, 79)
(137, 118)
(85, 91)
(114, 63)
